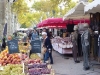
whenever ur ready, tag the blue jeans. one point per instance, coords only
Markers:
(48, 55)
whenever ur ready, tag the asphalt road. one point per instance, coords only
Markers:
(64, 65)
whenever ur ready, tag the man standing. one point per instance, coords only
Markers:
(47, 44)
(34, 35)
(85, 40)
(74, 38)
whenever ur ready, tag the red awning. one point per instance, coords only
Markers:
(53, 22)
(59, 23)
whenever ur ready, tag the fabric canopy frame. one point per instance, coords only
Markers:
(93, 7)
(77, 12)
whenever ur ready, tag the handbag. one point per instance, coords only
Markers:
(44, 49)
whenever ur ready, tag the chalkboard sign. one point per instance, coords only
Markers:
(13, 46)
(36, 46)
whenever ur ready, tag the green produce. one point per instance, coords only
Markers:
(15, 69)
(34, 56)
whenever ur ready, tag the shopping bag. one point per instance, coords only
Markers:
(44, 49)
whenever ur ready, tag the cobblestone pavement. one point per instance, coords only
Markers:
(67, 66)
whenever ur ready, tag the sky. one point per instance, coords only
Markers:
(29, 2)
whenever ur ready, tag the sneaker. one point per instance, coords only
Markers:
(77, 61)
(87, 68)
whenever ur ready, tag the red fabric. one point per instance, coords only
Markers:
(39, 25)
(52, 21)
(59, 23)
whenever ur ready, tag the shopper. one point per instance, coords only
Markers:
(47, 44)
(74, 37)
(30, 34)
(24, 37)
(34, 35)
(9, 38)
(45, 30)
(3, 43)
(51, 36)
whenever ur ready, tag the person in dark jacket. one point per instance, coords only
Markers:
(30, 35)
(3, 43)
(45, 30)
(48, 45)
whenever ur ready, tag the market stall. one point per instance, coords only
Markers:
(22, 63)
(62, 45)
(92, 7)
(77, 12)
(94, 11)
(77, 16)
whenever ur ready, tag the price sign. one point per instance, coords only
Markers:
(13, 46)
(36, 46)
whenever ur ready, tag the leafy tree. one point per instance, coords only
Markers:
(20, 6)
(52, 7)
(44, 9)
(25, 18)
(23, 26)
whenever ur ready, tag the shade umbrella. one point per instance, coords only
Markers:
(39, 24)
(77, 12)
(93, 7)
(54, 22)
(59, 26)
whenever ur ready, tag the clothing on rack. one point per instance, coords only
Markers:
(85, 37)
(79, 45)
(99, 46)
(95, 51)
(70, 26)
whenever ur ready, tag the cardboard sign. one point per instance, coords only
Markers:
(36, 46)
(13, 46)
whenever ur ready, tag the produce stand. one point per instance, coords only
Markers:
(22, 64)
(62, 45)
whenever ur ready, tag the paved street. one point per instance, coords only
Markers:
(64, 66)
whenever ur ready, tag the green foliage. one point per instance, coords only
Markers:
(20, 6)
(21, 9)
(52, 7)
(23, 26)
(43, 10)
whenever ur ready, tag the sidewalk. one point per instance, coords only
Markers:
(64, 66)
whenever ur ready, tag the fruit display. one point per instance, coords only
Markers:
(17, 63)
(6, 58)
(38, 69)
(32, 61)
(13, 69)
(34, 56)
(36, 65)
(24, 49)
(41, 71)
(23, 56)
